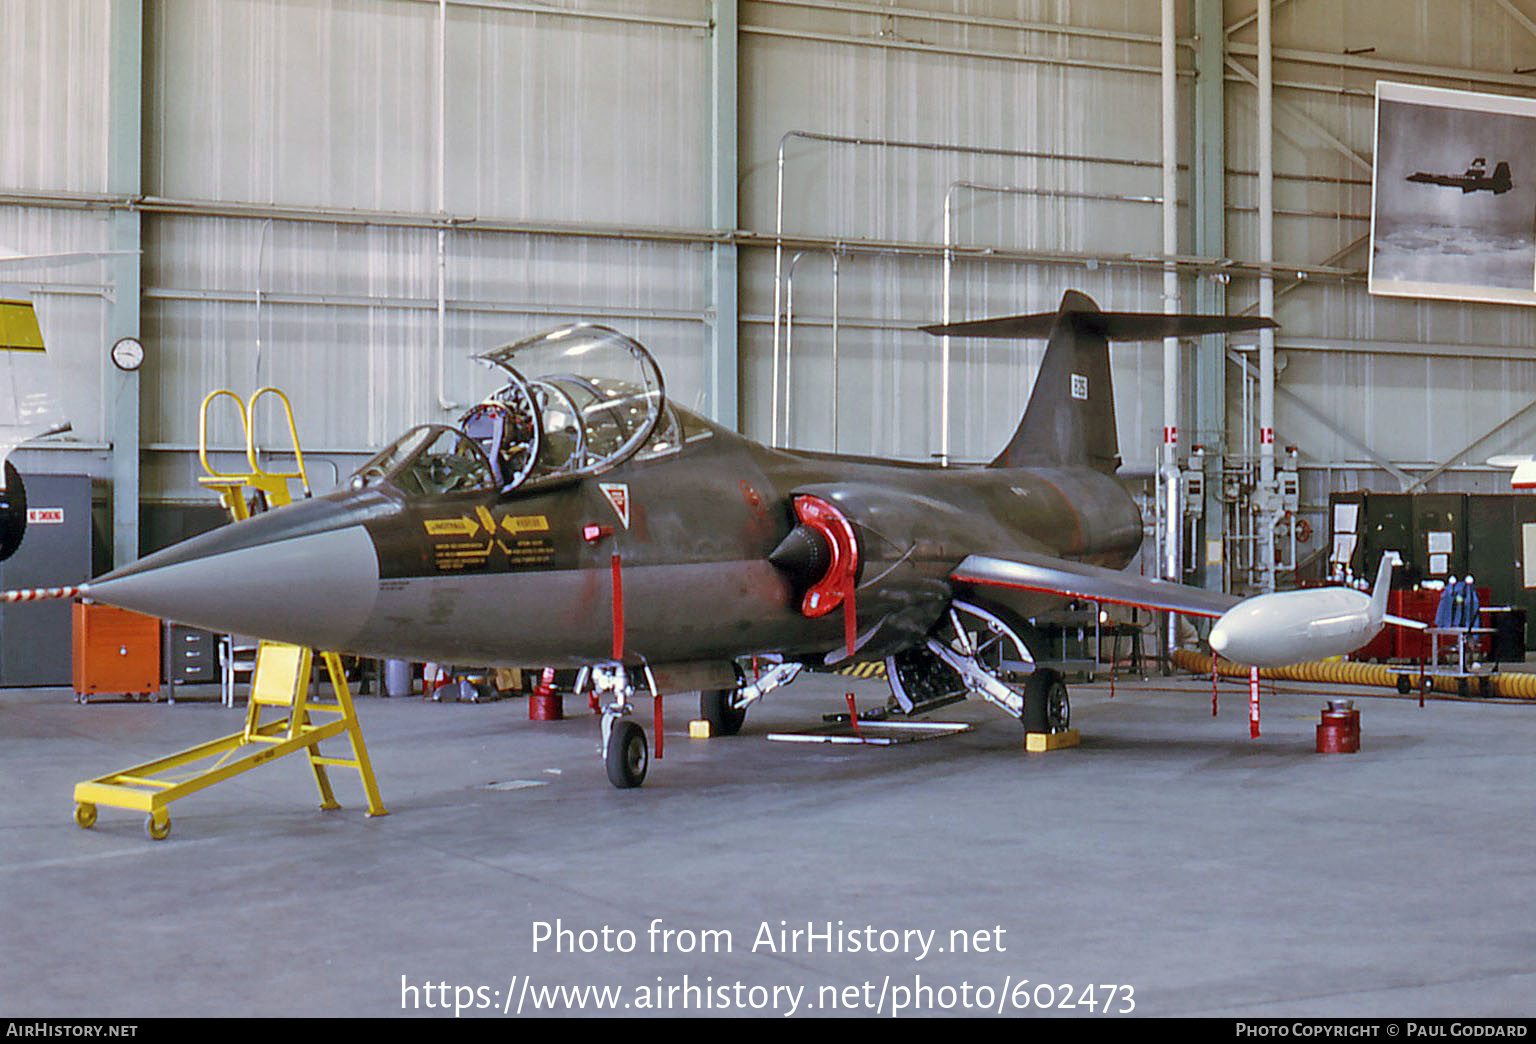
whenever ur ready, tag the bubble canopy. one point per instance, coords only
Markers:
(577, 401)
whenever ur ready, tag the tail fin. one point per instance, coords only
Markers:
(1501, 179)
(1070, 419)
(1383, 585)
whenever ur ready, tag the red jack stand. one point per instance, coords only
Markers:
(545, 704)
(1339, 731)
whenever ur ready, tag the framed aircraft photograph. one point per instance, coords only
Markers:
(1453, 211)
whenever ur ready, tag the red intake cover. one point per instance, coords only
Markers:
(827, 593)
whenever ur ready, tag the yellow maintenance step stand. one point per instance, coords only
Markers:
(281, 679)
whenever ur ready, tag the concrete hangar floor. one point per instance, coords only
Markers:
(1171, 863)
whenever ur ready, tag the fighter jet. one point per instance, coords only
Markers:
(1475, 179)
(578, 518)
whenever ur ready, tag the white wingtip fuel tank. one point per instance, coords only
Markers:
(1276, 630)
(1525, 470)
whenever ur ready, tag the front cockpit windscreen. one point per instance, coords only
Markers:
(576, 401)
(430, 460)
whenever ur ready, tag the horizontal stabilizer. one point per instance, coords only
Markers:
(1113, 326)
(1058, 576)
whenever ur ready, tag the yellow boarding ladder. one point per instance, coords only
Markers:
(281, 679)
(272, 486)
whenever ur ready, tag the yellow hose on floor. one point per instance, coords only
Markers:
(1517, 686)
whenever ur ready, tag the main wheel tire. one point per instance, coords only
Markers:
(715, 708)
(628, 756)
(1047, 706)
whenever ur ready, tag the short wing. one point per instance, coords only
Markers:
(1050, 575)
(29, 405)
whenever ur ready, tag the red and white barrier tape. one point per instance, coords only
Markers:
(41, 594)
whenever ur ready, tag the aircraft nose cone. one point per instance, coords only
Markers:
(307, 588)
(1219, 638)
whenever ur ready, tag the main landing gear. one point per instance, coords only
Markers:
(726, 709)
(973, 651)
(719, 708)
(625, 751)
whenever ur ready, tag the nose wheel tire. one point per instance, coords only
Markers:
(715, 707)
(628, 755)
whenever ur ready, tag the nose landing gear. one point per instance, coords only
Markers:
(624, 749)
(627, 756)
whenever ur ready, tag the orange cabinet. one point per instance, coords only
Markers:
(115, 651)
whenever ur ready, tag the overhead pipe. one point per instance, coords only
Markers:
(973, 54)
(1172, 506)
(778, 261)
(443, 402)
(789, 338)
(889, 143)
(261, 247)
(975, 21)
(1233, 269)
(948, 272)
(836, 316)
(1268, 493)
(550, 11)
(944, 316)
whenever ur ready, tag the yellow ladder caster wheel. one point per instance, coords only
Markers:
(157, 831)
(85, 815)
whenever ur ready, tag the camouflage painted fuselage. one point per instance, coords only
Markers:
(511, 580)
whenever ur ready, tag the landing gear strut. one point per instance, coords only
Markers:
(987, 655)
(626, 755)
(973, 651)
(726, 709)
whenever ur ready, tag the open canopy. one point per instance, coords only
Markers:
(577, 401)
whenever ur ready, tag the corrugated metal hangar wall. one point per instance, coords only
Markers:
(346, 198)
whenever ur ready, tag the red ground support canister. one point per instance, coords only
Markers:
(544, 704)
(1339, 731)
